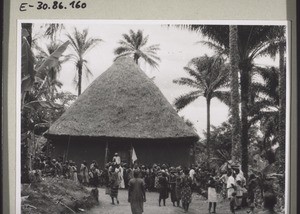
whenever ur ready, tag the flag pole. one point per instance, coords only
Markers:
(131, 152)
(106, 154)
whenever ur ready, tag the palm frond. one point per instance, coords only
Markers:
(145, 40)
(223, 96)
(90, 44)
(128, 39)
(186, 99)
(88, 72)
(125, 44)
(188, 82)
(196, 75)
(121, 50)
(123, 54)
(149, 60)
(216, 47)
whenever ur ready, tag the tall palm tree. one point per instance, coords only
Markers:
(81, 45)
(207, 76)
(252, 40)
(235, 96)
(134, 45)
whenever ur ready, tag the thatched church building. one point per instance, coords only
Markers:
(122, 109)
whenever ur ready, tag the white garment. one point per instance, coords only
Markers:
(122, 183)
(230, 181)
(117, 159)
(192, 174)
(240, 177)
(230, 189)
(212, 194)
(224, 178)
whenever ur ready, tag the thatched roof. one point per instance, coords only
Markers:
(124, 103)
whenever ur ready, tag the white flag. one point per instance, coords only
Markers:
(133, 156)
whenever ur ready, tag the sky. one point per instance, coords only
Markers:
(177, 48)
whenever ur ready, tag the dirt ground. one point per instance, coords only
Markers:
(198, 205)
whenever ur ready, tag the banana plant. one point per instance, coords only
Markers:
(29, 69)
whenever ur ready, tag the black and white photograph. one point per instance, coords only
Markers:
(153, 117)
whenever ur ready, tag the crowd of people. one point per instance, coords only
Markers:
(176, 183)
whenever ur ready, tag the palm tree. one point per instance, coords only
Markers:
(81, 45)
(207, 76)
(252, 40)
(264, 98)
(277, 47)
(52, 29)
(235, 96)
(134, 45)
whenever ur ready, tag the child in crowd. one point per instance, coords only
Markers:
(212, 194)
(239, 194)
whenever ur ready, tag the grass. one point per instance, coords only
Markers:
(55, 195)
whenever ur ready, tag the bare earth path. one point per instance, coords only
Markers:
(198, 205)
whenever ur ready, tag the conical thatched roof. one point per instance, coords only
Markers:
(124, 103)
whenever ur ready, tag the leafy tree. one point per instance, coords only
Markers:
(81, 45)
(277, 47)
(221, 142)
(207, 76)
(264, 102)
(134, 45)
(30, 68)
(31, 100)
(252, 41)
(49, 79)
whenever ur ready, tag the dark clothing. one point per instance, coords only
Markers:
(173, 188)
(114, 190)
(136, 195)
(212, 183)
(251, 189)
(114, 184)
(163, 187)
(186, 192)
(178, 186)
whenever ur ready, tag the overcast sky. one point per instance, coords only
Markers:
(177, 47)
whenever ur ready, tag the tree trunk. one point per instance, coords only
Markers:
(79, 78)
(208, 129)
(282, 96)
(245, 67)
(26, 151)
(136, 58)
(28, 28)
(235, 97)
(282, 111)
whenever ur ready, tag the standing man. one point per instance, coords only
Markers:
(231, 186)
(117, 159)
(136, 193)
(172, 182)
(84, 173)
(114, 184)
